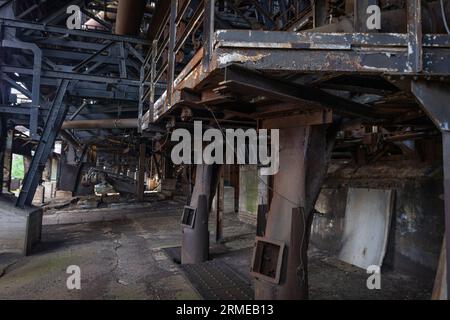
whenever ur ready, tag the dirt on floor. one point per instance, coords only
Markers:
(126, 259)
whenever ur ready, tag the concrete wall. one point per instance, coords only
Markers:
(417, 225)
(252, 192)
(20, 229)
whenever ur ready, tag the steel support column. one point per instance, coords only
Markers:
(434, 98)
(208, 33)
(195, 241)
(7, 160)
(220, 203)
(289, 195)
(141, 172)
(415, 36)
(171, 50)
(3, 134)
(280, 261)
(57, 114)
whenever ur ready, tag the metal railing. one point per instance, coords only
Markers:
(160, 64)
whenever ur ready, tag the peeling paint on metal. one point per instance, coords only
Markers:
(237, 57)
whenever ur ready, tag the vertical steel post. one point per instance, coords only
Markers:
(3, 133)
(57, 114)
(220, 199)
(141, 97)
(195, 241)
(141, 173)
(8, 158)
(304, 157)
(171, 51)
(152, 81)
(208, 33)
(414, 29)
(289, 195)
(123, 60)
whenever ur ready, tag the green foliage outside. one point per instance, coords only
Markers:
(17, 167)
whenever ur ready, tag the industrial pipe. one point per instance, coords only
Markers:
(129, 16)
(102, 124)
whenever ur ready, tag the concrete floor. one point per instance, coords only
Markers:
(125, 259)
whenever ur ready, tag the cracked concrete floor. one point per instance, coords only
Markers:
(125, 259)
(118, 259)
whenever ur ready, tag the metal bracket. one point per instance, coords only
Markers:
(267, 259)
(188, 217)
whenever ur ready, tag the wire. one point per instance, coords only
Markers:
(301, 267)
(444, 17)
(269, 187)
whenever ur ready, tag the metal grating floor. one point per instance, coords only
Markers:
(215, 279)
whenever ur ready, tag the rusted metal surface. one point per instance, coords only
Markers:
(101, 124)
(289, 194)
(433, 96)
(129, 16)
(313, 52)
(171, 50)
(310, 118)
(358, 53)
(414, 30)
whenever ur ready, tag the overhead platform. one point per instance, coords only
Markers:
(289, 67)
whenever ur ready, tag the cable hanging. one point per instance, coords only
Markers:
(444, 17)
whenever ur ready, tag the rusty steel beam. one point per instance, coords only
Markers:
(330, 52)
(284, 91)
(208, 33)
(102, 124)
(414, 30)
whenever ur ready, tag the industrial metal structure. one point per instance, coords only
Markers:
(137, 70)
